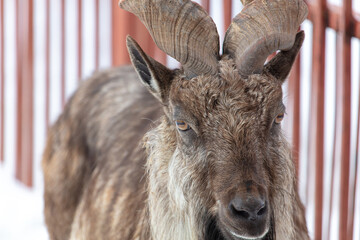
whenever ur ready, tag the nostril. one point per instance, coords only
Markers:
(262, 210)
(239, 212)
(244, 214)
(249, 209)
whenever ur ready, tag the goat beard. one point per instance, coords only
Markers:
(176, 212)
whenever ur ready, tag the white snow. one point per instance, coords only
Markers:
(21, 210)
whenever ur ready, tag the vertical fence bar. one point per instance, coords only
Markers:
(343, 116)
(316, 130)
(24, 25)
(157, 54)
(120, 28)
(353, 195)
(206, 4)
(29, 98)
(227, 13)
(47, 65)
(124, 23)
(354, 190)
(79, 40)
(97, 35)
(143, 38)
(2, 85)
(63, 53)
(146, 42)
(19, 50)
(294, 110)
(332, 186)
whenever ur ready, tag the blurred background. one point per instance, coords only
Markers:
(47, 47)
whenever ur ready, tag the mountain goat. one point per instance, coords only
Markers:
(203, 159)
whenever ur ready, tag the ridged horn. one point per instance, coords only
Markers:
(261, 28)
(182, 29)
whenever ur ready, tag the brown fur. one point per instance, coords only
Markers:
(90, 170)
(101, 184)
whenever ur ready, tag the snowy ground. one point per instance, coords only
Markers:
(21, 210)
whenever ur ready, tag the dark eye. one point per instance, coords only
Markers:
(182, 125)
(279, 118)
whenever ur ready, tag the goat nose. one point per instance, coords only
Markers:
(248, 209)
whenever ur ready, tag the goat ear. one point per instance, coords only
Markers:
(155, 76)
(281, 64)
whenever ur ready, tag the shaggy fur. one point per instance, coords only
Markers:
(205, 158)
(100, 182)
(236, 137)
(96, 186)
(94, 164)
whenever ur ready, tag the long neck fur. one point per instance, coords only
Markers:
(175, 210)
(175, 205)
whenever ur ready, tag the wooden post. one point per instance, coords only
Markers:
(206, 5)
(316, 130)
(125, 23)
(343, 114)
(294, 110)
(24, 144)
(227, 14)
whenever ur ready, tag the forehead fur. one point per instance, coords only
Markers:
(227, 92)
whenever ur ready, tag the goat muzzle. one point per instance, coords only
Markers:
(246, 215)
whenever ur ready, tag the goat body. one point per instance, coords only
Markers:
(94, 164)
(213, 163)
(97, 186)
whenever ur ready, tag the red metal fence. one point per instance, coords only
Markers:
(346, 23)
(323, 15)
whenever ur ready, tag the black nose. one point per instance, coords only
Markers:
(248, 208)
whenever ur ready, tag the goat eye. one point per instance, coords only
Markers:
(182, 126)
(279, 118)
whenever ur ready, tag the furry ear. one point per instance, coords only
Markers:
(155, 76)
(281, 64)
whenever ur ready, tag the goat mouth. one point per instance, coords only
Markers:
(242, 237)
(232, 229)
(232, 233)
